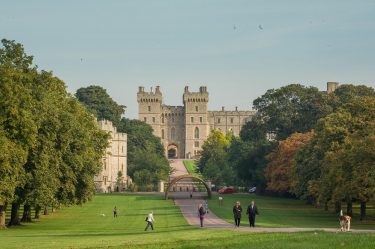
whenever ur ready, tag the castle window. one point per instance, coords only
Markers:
(196, 132)
(218, 120)
(122, 167)
(172, 120)
(196, 108)
(192, 119)
(122, 148)
(162, 120)
(196, 144)
(231, 120)
(149, 108)
(162, 134)
(173, 133)
(105, 180)
(153, 119)
(200, 119)
(105, 164)
(145, 119)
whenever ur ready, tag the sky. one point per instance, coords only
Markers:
(238, 49)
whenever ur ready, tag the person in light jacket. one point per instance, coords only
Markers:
(150, 220)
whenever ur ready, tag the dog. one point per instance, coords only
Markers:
(345, 223)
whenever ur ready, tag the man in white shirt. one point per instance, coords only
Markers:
(150, 220)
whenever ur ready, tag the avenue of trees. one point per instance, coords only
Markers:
(146, 160)
(51, 147)
(304, 143)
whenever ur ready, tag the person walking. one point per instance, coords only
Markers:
(150, 220)
(115, 212)
(252, 210)
(206, 207)
(237, 211)
(201, 213)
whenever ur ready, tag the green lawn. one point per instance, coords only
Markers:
(85, 227)
(191, 167)
(282, 212)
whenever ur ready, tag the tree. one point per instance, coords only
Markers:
(17, 126)
(213, 160)
(347, 92)
(98, 102)
(280, 161)
(292, 108)
(147, 163)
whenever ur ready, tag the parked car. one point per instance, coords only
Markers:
(252, 189)
(226, 191)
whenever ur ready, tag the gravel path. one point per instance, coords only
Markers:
(189, 209)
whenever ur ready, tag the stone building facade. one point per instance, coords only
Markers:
(183, 129)
(114, 161)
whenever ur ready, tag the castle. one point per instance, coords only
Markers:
(114, 161)
(183, 129)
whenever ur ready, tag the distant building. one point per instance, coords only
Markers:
(332, 86)
(114, 161)
(183, 129)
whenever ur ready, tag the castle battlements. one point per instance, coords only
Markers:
(183, 129)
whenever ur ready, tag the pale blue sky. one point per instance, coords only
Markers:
(124, 44)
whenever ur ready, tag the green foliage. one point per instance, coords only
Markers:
(292, 108)
(98, 102)
(51, 146)
(213, 162)
(146, 161)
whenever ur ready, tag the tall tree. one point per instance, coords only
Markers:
(292, 108)
(278, 170)
(98, 102)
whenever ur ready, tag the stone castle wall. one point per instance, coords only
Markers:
(114, 161)
(183, 129)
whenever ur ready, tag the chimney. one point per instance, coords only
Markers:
(186, 89)
(222, 108)
(141, 89)
(236, 109)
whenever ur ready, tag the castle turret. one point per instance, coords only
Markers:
(196, 120)
(332, 86)
(149, 107)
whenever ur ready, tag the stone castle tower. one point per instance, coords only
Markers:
(183, 129)
(114, 161)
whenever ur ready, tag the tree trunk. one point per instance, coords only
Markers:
(349, 208)
(363, 210)
(3, 209)
(326, 206)
(45, 210)
(337, 207)
(37, 212)
(14, 216)
(26, 217)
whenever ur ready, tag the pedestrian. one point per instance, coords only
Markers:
(252, 210)
(206, 207)
(150, 220)
(191, 195)
(201, 213)
(237, 211)
(115, 212)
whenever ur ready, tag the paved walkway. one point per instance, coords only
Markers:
(178, 167)
(189, 209)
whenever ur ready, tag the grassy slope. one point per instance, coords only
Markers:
(84, 227)
(191, 167)
(282, 212)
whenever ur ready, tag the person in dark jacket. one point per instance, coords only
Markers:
(237, 211)
(252, 210)
(201, 213)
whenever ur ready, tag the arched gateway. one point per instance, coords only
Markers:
(178, 178)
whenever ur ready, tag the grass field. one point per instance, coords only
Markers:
(191, 167)
(282, 212)
(85, 227)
